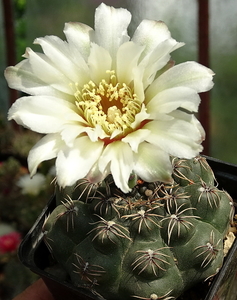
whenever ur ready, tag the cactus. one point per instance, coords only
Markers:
(152, 243)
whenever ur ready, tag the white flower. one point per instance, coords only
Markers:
(109, 103)
(31, 186)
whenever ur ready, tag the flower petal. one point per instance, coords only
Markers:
(180, 136)
(139, 87)
(150, 34)
(79, 37)
(119, 157)
(156, 38)
(135, 138)
(47, 148)
(22, 78)
(141, 116)
(75, 163)
(171, 99)
(111, 27)
(95, 175)
(43, 68)
(188, 74)
(63, 58)
(152, 163)
(158, 59)
(43, 114)
(99, 63)
(127, 61)
(72, 130)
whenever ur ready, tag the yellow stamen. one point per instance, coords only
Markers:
(110, 104)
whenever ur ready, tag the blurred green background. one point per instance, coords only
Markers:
(36, 18)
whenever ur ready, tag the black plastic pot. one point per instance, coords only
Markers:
(34, 254)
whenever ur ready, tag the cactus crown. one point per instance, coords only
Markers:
(152, 243)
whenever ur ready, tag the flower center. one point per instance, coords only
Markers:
(110, 104)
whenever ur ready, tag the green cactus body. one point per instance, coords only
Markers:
(152, 243)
